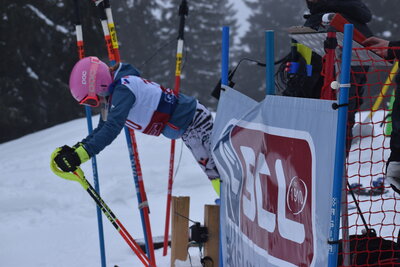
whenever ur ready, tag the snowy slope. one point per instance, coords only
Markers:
(48, 221)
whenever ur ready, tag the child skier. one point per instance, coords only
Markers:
(141, 105)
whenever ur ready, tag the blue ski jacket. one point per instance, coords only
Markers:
(122, 100)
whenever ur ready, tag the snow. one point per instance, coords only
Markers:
(49, 22)
(48, 221)
(31, 73)
(387, 34)
(243, 12)
(368, 164)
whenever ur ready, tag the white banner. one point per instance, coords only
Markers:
(276, 161)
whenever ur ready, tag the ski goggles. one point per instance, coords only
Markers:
(91, 101)
(94, 101)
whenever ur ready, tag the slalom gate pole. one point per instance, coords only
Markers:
(382, 93)
(88, 110)
(365, 128)
(340, 146)
(183, 12)
(224, 82)
(330, 45)
(114, 55)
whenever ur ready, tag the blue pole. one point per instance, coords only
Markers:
(270, 63)
(88, 111)
(224, 81)
(340, 146)
(225, 55)
(136, 180)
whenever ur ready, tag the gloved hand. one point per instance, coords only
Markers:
(68, 159)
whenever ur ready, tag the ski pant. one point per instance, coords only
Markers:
(197, 138)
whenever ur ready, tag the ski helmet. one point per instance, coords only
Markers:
(89, 79)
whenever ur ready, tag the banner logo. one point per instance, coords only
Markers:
(270, 195)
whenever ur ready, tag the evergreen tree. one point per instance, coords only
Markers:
(137, 28)
(202, 51)
(165, 54)
(274, 15)
(39, 48)
(34, 77)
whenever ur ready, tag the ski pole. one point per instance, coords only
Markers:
(88, 110)
(183, 11)
(79, 177)
(106, 13)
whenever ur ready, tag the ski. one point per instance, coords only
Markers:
(377, 188)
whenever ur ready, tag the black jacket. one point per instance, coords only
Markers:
(355, 11)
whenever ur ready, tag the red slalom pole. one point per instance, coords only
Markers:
(329, 66)
(131, 139)
(183, 11)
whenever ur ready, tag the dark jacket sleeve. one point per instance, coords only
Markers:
(121, 103)
(394, 52)
(99, 125)
(354, 9)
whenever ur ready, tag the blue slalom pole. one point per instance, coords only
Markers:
(340, 146)
(270, 63)
(225, 55)
(113, 51)
(133, 153)
(224, 81)
(88, 111)
(136, 181)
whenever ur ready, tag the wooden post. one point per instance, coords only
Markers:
(211, 221)
(180, 229)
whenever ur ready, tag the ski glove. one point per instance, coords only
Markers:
(68, 159)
